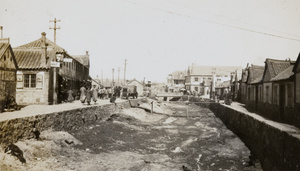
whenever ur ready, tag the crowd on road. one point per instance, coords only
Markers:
(88, 94)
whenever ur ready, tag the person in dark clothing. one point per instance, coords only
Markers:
(113, 99)
(89, 95)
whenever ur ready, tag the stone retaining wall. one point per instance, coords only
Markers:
(23, 128)
(275, 148)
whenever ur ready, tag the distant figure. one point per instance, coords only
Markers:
(113, 99)
(82, 94)
(11, 103)
(15, 151)
(70, 96)
(95, 93)
(106, 94)
(89, 95)
(227, 98)
(109, 93)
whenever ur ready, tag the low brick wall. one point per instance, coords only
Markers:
(22, 128)
(274, 147)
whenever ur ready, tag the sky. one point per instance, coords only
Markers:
(158, 37)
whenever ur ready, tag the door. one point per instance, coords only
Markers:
(256, 96)
(281, 101)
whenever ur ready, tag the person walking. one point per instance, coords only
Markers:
(95, 93)
(70, 96)
(89, 95)
(106, 94)
(82, 94)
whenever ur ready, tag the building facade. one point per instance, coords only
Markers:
(46, 72)
(201, 79)
(8, 70)
(139, 86)
(176, 81)
(254, 86)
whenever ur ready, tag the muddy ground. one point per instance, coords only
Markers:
(187, 138)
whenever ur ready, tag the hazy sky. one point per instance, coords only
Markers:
(158, 37)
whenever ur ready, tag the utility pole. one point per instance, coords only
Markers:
(119, 75)
(125, 71)
(55, 70)
(54, 28)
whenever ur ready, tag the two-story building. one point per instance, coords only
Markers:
(176, 81)
(200, 78)
(46, 71)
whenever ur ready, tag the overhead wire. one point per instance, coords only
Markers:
(214, 22)
(230, 18)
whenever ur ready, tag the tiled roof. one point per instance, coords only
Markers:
(255, 74)
(130, 81)
(296, 64)
(210, 70)
(83, 59)
(3, 47)
(277, 66)
(29, 59)
(245, 75)
(237, 76)
(38, 44)
(286, 74)
(29, 55)
(223, 84)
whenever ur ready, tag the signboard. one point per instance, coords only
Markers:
(55, 64)
(59, 57)
(67, 59)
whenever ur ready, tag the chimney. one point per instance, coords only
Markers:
(87, 53)
(1, 28)
(3, 40)
(44, 49)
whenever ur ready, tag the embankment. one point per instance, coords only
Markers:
(275, 145)
(29, 127)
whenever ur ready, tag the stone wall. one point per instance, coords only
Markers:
(23, 128)
(275, 148)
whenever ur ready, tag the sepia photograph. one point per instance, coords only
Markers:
(150, 85)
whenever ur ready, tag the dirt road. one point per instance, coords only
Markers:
(190, 138)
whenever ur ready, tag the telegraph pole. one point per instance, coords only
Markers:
(125, 71)
(55, 86)
(54, 28)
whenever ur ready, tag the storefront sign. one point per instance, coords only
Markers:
(67, 59)
(55, 64)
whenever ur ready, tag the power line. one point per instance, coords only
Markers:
(214, 22)
(230, 18)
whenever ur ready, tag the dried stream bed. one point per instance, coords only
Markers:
(132, 139)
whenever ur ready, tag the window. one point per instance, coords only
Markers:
(248, 95)
(275, 95)
(267, 94)
(289, 95)
(30, 80)
(196, 78)
(196, 89)
(260, 94)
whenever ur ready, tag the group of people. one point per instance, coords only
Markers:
(105, 93)
(88, 94)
